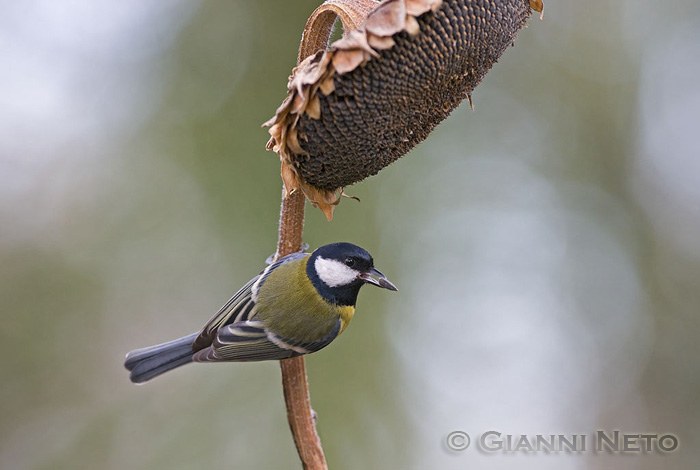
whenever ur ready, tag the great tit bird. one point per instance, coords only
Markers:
(297, 305)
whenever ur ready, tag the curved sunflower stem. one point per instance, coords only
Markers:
(294, 382)
(319, 26)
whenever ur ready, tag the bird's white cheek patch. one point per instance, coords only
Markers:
(333, 273)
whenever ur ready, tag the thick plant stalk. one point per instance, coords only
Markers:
(294, 382)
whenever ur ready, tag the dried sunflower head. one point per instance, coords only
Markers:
(383, 87)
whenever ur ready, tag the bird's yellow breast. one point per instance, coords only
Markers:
(345, 313)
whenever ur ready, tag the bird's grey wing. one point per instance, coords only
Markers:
(241, 305)
(237, 308)
(250, 341)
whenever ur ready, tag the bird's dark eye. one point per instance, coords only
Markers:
(349, 262)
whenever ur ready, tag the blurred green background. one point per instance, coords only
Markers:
(547, 244)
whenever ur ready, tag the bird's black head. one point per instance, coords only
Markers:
(339, 270)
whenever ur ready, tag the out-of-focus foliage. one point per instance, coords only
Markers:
(547, 244)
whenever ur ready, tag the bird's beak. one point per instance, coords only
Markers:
(380, 281)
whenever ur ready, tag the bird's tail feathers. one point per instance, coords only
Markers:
(146, 363)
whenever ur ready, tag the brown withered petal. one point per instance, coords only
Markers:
(383, 87)
(418, 7)
(380, 43)
(387, 20)
(314, 108)
(412, 26)
(537, 5)
(327, 86)
(349, 61)
(293, 141)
